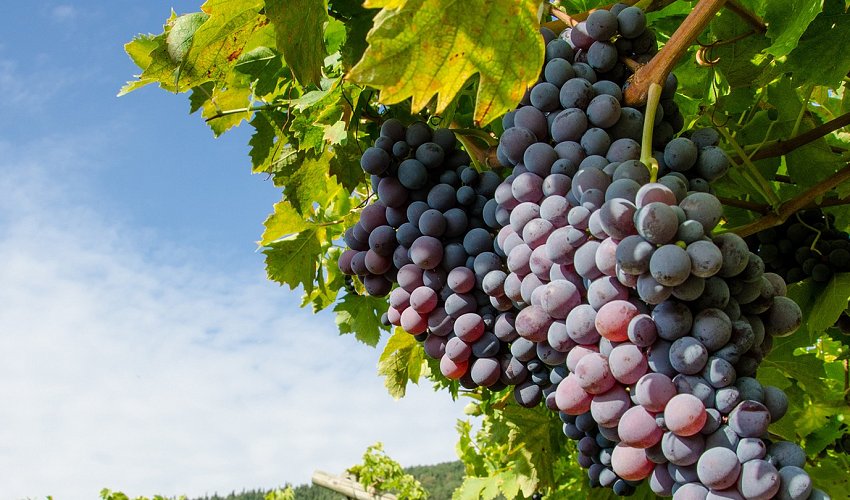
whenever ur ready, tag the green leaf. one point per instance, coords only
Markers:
(787, 20)
(361, 315)
(830, 303)
(294, 261)
(218, 111)
(336, 133)
(358, 22)
(283, 222)
(307, 182)
(405, 58)
(741, 62)
(157, 66)
(140, 50)
(345, 165)
(269, 152)
(299, 32)
(821, 57)
(263, 65)
(200, 96)
(179, 38)
(400, 362)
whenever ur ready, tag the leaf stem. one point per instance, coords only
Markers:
(762, 183)
(648, 126)
(803, 110)
(249, 109)
(795, 204)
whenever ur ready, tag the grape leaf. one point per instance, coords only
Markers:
(830, 475)
(786, 21)
(284, 221)
(294, 260)
(740, 62)
(269, 152)
(299, 33)
(361, 315)
(830, 302)
(141, 50)
(232, 27)
(151, 54)
(179, 38)
(200, 95)
(263, 64)
(821, 57)
(406, 59)
(307, 183)
(400, 362)
(345, 165)
(218, 111)
(358, 22)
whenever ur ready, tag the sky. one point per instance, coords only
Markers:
(141, 347)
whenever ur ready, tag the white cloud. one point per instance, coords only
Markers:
(130, 365)
(63, 12)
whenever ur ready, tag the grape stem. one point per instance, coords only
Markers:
(752, 172)
(657, 69)
(483, 157)
(794, 205)
(648, 126)
(563, 17)
(784, 146)
(810, 228)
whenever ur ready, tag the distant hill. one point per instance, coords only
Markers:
(440, 480)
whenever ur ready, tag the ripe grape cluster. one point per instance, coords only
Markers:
(431, 233)
(807, 245)
(605, 292)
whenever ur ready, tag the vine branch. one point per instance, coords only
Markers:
(792, 206)
(657, 69)
(752, 206)
(783, 147)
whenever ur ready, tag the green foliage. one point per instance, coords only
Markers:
(382, 474)
(313, 80)
(107, 494)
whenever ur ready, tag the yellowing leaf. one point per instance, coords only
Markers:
(294, 261)
(299, 32)
(400, 362)
(284, 221)
(427, 48)
(219, 109)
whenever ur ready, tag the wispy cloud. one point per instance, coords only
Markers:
(163, 375)
(63, 12)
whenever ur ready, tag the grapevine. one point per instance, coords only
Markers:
(593, 244)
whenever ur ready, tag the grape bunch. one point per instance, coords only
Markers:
(587, 281)
(430, 236)
(807, 245)
(650, 326)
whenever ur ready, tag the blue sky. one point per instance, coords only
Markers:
(141, 347)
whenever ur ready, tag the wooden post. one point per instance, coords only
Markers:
(348, 487)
